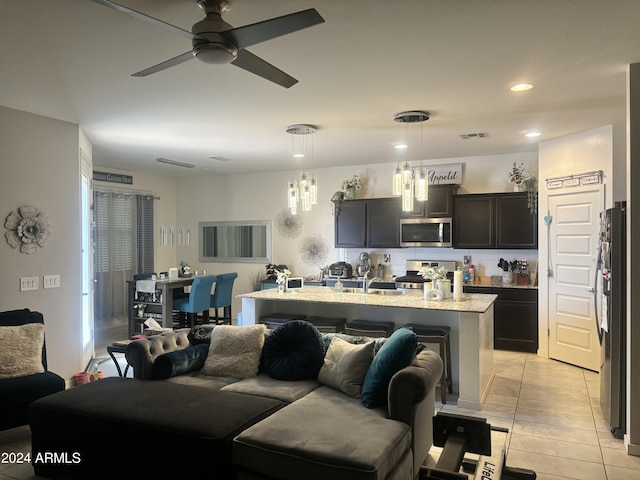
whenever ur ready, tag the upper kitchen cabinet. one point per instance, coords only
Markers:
(516, 226)
(351, 224)
(495, 220)
(440, 203)
(372, 222)
(383, 222)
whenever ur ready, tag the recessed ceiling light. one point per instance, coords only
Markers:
(400, 146)
(521, 87)
(298, 155)
(532, 134)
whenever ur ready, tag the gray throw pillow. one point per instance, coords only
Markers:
(345, 366)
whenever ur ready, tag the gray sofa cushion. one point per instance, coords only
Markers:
(265, 386)
(304, 441)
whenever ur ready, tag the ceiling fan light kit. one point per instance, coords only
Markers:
(214, 41)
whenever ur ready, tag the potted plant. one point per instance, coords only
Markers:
(350, 186)
(517, 176)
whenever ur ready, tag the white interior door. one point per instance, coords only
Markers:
(573, 337)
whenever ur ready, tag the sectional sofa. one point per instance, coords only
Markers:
(248, 403)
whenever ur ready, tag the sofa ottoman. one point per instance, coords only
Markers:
(306, 439)
(123, 427)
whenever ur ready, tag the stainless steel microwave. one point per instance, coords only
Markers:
(425, 232)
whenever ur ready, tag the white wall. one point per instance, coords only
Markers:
(263, 196)
(40, 167)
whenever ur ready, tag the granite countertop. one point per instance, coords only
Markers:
(471, 302)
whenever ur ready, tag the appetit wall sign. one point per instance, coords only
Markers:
(445, 174)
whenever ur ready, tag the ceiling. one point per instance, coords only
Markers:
(72, 60)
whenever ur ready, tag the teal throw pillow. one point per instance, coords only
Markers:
(397, 353)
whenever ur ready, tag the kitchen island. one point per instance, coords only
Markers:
(470, 319)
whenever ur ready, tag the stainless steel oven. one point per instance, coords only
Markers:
(425, 232)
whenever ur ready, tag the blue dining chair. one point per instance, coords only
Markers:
(222, 297)
(198, 299)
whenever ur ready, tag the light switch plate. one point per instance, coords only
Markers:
(28, 283)
(51, 281)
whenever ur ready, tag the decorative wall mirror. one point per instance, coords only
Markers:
(237, 242)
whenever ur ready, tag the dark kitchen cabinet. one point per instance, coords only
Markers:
(383, 222)
(494, 220)
(351, 224)
(439, 205)
(516, 226)
(515, 317)
(372, 222)
(474, 221)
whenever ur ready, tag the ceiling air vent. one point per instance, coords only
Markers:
(469, 136)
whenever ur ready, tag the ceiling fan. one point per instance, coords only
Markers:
(215, 41)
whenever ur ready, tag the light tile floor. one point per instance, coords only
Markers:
(551, 410)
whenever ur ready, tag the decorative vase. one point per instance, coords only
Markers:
(350, 193)
(507, 277)
(427, 285)
(518, 187)
(280, 287)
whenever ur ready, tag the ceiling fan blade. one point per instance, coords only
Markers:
(146, 18)
(164, 65)
(249, 62)
(275, 27)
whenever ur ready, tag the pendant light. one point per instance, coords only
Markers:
(414, 182)
(397, 171)
(305, 189)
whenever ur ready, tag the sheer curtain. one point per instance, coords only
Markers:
(123, 246)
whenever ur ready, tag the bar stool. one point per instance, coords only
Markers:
(274, 320)
(327, 325)
(198, 299)
(222, 297)
(441, 336)
(369, 328)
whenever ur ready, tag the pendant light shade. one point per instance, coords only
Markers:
(397, 180)
(421, 184)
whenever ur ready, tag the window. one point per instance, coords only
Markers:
(123, 232)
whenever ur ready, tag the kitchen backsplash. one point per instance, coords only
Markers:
(485, 261)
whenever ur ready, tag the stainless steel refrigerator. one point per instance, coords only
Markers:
(612, 285)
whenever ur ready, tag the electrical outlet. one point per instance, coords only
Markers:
(28, 283)
(467, 260)
(51, 281)
(387, 258)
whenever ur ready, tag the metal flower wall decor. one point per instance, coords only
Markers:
(289, 225)
(28, 229)
(314, 249)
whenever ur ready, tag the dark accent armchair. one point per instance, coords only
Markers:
(16, 394)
